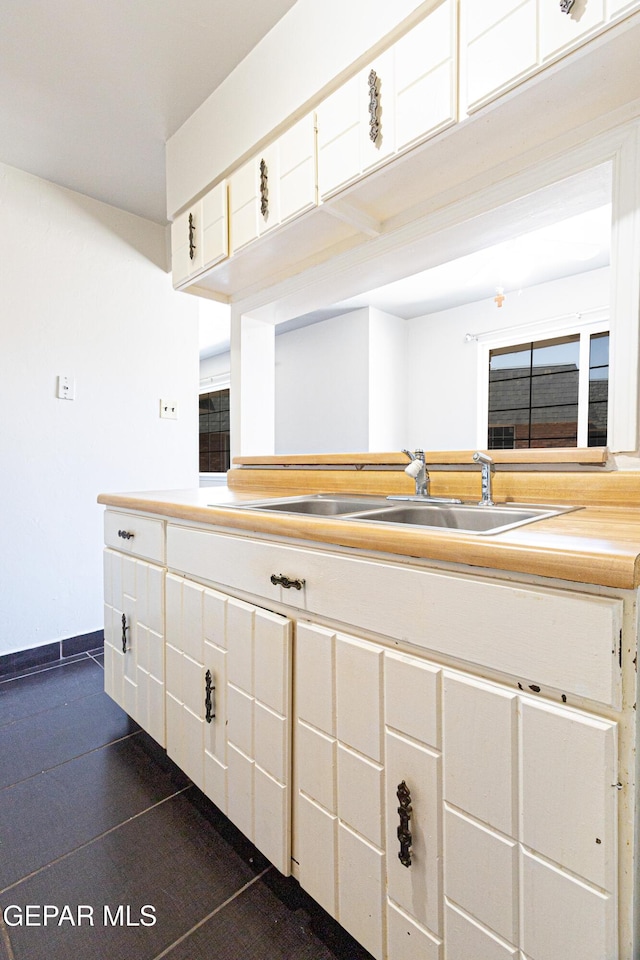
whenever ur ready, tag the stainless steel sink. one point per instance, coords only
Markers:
(320, 505)
(466, 517)
(461, 517)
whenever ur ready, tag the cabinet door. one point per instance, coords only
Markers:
(560, 31)
(339, 138)
(186, 244)
(425, 77)
(413, 761)
(200, 235)
(568, 828)
(297, 168)
(215, 225)
(500, 42)
(530, 819)
(254, 198)
(215, 702)
(228, 709)
(615, 7)
(185, 676)
(134, 648)
(377, 110)
(339, 810)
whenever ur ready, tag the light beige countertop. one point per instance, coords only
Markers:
(595, 544)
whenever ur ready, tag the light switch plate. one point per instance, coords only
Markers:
(169, 409)
(66, 389)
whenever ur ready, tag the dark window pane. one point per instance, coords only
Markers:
(561, 353)
(598, 391)
(599, 350)
(534, 388)
(553, 389)
(214, 432)
(501, 438)
(511, 357)
(504, 394)
(556, 414)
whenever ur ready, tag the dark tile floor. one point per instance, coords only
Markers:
(97, 823)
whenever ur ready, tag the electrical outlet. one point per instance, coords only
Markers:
(169, 409)
(66, 388)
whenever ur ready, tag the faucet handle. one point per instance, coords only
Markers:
(417, 455)
(480, 457)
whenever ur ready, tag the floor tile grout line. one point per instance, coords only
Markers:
(93, 840)
(53, 665)
(4, 938)
(221, 906)
(56, 766)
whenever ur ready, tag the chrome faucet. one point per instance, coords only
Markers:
(486, 463)
(417, 469)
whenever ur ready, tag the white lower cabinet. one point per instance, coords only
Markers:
(512, 815)
(435, 813)
(228, 709)
(134, 639)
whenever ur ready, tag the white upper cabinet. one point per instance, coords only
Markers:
(560, 31)
(505, 41)
(501, 45)
(200, 235)
(276, 185)
(399, 98)
(297, 159)
(426, 77)
(339, 138)
(253, 198)
(615, 7)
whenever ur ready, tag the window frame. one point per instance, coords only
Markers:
(574, 325)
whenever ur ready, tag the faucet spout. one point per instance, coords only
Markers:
(487, 466)
(417, 470)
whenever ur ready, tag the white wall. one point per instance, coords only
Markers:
(322, 386)
(340, 385)
(213, 369)
(388, 342)
(443, 376)
(84, 292)
(304, 52)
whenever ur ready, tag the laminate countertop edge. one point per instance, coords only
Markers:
(595, 545)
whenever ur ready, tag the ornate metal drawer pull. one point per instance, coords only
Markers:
(404, 834)
(565, 5)
(124, 633)
(192, 234)
(374, 107)
(286, 582)
(264, 189)
(209, 691)
(125, 534)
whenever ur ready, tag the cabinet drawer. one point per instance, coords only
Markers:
(545, 637)
(147, 535)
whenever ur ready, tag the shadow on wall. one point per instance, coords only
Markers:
(152, 242)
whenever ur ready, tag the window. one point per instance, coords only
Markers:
(214, 431)
(549, 393)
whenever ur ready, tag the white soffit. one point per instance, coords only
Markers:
(90, 92)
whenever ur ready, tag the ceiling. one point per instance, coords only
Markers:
(90, 92)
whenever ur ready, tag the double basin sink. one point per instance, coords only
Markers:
(415, 512)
